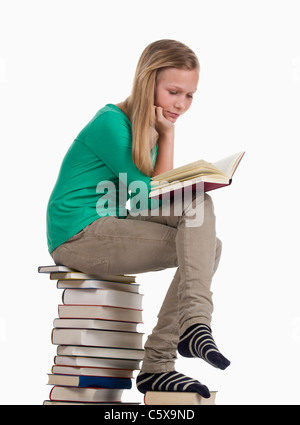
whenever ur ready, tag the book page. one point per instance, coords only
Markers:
(216, 178)
(228, 165)
(187, 171)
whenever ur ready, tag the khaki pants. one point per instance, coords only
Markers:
(140, 244)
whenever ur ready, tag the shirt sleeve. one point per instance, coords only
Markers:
(110, 138)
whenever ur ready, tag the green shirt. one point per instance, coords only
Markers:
(94, 176)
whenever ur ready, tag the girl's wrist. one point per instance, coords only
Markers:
(167, 134)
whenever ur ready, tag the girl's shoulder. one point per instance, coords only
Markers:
(111, 112)
(109, 123)
(109, 118)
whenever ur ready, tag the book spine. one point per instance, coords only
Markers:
(52, 336)
(50, 394)
(104, 382)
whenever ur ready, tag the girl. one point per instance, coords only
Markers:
(130, 142)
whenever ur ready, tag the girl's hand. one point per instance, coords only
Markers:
(162, 125)
(165, 133)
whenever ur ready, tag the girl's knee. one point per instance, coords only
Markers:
(208, 203)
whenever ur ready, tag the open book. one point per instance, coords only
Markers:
(213, 175)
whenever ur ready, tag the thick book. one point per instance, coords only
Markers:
(63, 272)
(107, 352)
(212, 175)
(84, 381)
(97, 284)
(95, 324)
(178, 398)
(107, 297)
(97, 362)
(107, 372)
(100, 312)
(97, 338)
(91, 395)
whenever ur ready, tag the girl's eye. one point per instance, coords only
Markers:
(172, 92)
(190, 96)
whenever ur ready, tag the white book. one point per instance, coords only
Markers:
(92, 371)
(64, 272)
(100, 312)
(97, 284)
(97, 338)
(92, 395)
(95, 324)
(97, 362)
(102, 297)
(106, 352)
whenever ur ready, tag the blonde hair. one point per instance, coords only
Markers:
(139, 105)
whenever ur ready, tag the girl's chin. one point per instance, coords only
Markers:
(171, 117)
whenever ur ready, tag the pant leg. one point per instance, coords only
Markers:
(196, 247)
(189, 299)
(161, 345)
(119, 246)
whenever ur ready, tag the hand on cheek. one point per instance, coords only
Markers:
(162, 124)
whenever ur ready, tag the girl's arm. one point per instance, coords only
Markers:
(165, 151)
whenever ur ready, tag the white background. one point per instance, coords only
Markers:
(61, 61)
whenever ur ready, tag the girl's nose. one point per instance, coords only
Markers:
(180, 103)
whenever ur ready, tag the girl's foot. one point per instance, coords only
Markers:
(197, 341)
(169, 381)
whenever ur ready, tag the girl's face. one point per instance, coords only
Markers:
(174, 91)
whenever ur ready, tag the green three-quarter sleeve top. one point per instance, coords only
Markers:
(94, 177)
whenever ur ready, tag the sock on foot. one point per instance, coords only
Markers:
(197, 341)
(169, 381)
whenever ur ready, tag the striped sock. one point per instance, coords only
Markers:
(197, 341)
(169, 381)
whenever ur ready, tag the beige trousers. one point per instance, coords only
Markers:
(151, 243)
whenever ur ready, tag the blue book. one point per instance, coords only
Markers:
(83, 381)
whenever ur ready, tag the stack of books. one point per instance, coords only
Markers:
(98, 345)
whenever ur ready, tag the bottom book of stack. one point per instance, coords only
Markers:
(98, 345)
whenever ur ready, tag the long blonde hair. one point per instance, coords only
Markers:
(139, 105)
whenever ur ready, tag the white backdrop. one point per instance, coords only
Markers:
(61, 61)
